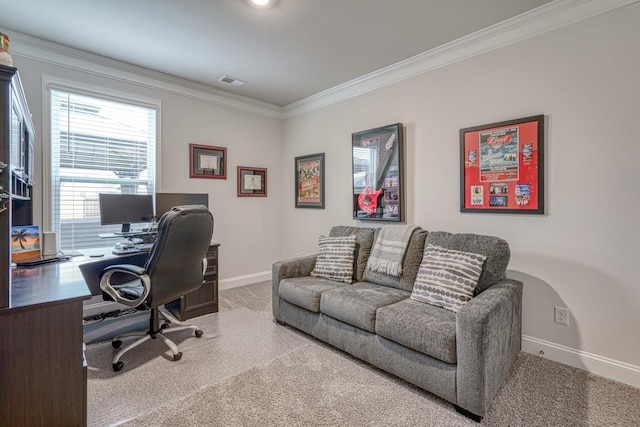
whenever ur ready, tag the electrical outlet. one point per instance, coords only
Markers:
(562, 315)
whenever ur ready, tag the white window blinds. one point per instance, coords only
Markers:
(98, 145)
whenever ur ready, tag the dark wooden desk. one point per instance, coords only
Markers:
(44, 380)
(42, 370)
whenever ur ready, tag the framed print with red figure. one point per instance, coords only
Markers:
(378, 173)
(502, 167)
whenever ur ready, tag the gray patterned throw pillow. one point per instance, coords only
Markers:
(335, 258)
(447, 278)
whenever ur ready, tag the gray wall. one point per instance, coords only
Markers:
(248, 229)
(582, 254)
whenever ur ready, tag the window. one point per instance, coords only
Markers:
(98, 145)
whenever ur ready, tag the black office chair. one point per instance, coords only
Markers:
(176, 265)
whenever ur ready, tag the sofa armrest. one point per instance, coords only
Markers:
(293, 267)
(488, 340)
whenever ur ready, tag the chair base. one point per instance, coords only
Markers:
(151, 334)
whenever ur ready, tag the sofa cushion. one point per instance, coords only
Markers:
(335, 258)
(422, 327)
(410, 265)
(364, 242)
(494, 248)
(357, 304)
(305, 291)
(447, 278)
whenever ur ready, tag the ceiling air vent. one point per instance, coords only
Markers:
(232, 81)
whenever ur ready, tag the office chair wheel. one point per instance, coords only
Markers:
(177, 357)
(164, 325)
(116, 344)
(118, 366)
(198, 333)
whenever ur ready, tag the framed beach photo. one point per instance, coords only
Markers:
(25, 243)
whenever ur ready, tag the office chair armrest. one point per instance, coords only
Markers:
(132, 270)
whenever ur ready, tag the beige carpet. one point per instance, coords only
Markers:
(233, 342)
(248, 371)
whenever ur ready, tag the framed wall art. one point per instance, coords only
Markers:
(378, 173)
(310, 181)
(502, 167)
(252, 182)
(207, 162)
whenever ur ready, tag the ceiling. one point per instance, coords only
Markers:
(287, 53)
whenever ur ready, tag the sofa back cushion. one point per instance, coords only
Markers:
(494, 248)
(410, 265)
(364, 242)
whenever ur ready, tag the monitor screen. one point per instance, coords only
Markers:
(166, 201)
(125, 209)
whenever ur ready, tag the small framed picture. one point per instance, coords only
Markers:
(25, 243)
(252, 182)
(206, 161)
(310, 181)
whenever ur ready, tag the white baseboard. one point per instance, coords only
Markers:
(234, 282)
(594, 363)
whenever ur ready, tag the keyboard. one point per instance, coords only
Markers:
(41, 261)
(146, 247)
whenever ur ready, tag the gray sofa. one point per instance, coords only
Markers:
(462, 356)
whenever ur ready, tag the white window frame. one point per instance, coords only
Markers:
(51, 83)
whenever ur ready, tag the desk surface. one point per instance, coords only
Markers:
(54, 282)
(62, 280)
(48, 283)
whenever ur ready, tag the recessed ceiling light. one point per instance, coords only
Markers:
(262, 4)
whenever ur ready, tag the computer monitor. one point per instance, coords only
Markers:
(125, 209)
(166, 201)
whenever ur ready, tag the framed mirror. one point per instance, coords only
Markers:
(378, 173)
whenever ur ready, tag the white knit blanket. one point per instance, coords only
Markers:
(388, 251)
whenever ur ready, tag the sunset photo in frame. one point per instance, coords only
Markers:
(502, 167)
(206, 161)
(310, 181)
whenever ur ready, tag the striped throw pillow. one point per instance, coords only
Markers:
(335, 258)
(447, 278)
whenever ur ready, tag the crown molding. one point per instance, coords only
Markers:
(34, 48)
(540, 20)
(543, 19)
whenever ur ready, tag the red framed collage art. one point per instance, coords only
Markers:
(502, 167)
